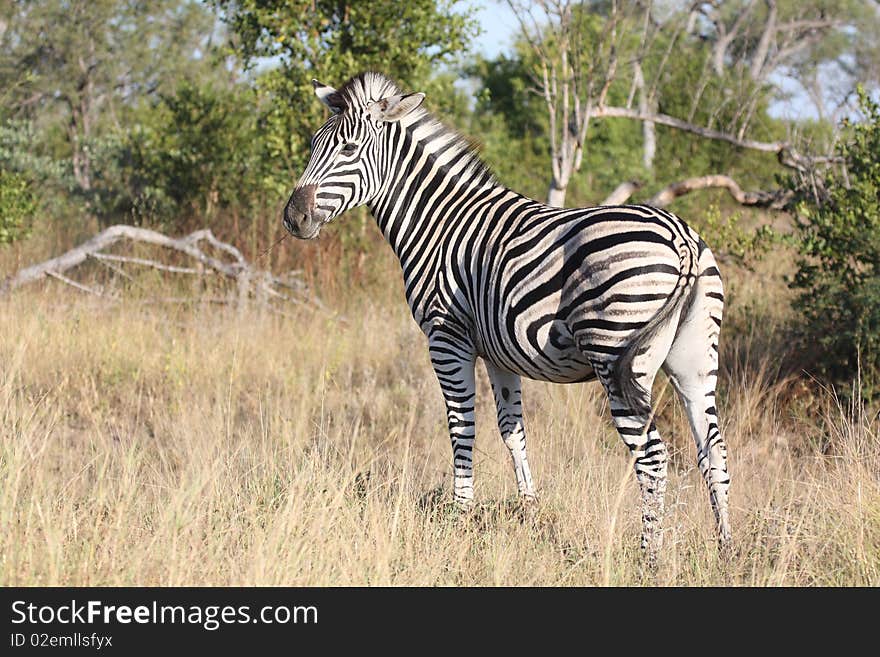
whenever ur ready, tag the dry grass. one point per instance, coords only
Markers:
(168, 446)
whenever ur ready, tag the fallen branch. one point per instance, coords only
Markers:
(72, 283)
(776, 200)
(149, 263)
(111, 267)
(251, 282)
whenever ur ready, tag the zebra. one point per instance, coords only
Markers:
(613, 293)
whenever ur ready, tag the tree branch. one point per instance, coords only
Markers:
(786, 155)
(725, 37)
(147, 263)
(622, 193)
(672, 122)
(72, 283)
(776, 200)
(767, 35)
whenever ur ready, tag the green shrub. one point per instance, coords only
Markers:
(17, 206)
(192, 153)
(728, 235)
(838, 237)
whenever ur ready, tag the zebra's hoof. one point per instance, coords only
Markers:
(652, 548)
(725, 548)
(465, 504)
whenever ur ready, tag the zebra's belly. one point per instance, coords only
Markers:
(570, 369)
(543, 352)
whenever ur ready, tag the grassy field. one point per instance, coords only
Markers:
(164, 444)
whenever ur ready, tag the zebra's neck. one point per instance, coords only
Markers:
(433, 181)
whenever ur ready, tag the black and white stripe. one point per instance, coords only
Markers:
(566, 295)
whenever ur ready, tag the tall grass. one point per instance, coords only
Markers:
(166, 445)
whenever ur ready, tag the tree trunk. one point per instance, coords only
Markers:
(81, 167)
(80, 156)
(757, 68)
(649, 134)
(649, 144)
(556, 195)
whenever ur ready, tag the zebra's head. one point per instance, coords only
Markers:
(346, 166)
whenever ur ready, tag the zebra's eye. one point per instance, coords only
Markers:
(349, 148)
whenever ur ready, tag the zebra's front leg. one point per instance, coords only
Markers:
(453, 364)
(507, 390)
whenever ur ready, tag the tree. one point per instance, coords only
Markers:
(78, 62)
(823, 47)
(332, 40)
(596, 60)
(838, 277)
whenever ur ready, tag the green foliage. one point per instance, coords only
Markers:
(508, 124)
(17, 206)
(504, 90)
(728, 235)
(839, 271)
(118, 47)
(130, 112)
(331, 41)
(339, 38)
(194, 152)
(21, 151)
(23, 169)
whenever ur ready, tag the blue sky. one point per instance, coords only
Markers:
(498, 26)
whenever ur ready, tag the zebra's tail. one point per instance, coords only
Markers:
(676, 306)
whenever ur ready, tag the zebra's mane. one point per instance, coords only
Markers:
(371, 86)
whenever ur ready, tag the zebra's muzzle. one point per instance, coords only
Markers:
(300, 218)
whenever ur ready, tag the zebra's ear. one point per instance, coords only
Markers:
(329, 97)
(394, 108)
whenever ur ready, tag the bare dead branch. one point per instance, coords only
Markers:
(786, 155)
(72, 283)
(810, 24)
(776, 200)
(112, 267)
(672, 122)
(725, 36)
(251, 282)
(148, 263)
(622, 193)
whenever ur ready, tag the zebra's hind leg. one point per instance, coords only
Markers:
(692, 366)
(507, 390)
(636, 428)
(453, 363)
